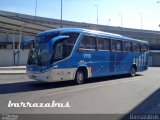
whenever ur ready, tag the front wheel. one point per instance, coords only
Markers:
(133, 71)
(80, 77)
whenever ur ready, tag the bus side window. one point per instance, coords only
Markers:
(136, 47)
(70, 42)
(116, 45)
(88, 43)
(103, 43)
(127, 46)
(112, 45)
(144, 48)
(58, 54)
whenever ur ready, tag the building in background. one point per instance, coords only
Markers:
(16, 28)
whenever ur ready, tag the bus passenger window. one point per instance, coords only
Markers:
(103, 44)
(116, 45)
(59, 50)
(144, 48)
(136, 47)
(127, 46)
(70, 42)
(72, 37)
(88, 43)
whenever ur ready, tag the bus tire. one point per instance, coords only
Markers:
(133, 71)
(80, 77)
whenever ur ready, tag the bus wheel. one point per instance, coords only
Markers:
(133, 71)
(80, 77)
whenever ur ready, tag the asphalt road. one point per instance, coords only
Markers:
(109, 95)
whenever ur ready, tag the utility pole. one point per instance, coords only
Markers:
(36, 9)
(61, 14)
(121, 20)
(141, 15)
(158, 2)
(97, 13)
(109, 20)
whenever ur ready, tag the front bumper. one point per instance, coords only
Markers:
(41, 76)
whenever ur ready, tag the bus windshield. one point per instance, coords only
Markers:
(40, 54)
(46, 52)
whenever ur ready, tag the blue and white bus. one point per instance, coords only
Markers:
(77, 54)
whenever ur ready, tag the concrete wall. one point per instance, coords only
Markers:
(4, 37)
(155, 59)
(7, 57)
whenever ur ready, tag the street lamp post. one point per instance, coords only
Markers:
(109, 20)
(141, 21)
(158, 2)
(121, 19)
(61, 14)
(97, 13)
(36, 9)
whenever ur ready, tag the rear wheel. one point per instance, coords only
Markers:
(133, 71)
(80, 77)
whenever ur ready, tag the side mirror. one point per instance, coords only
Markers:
(28, 44)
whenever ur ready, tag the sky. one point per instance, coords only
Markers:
(137, 14)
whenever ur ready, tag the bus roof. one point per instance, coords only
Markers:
(93, 32)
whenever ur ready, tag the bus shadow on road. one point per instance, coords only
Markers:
(28, 86)
(150, 107)
(109, 78)
(31, 86)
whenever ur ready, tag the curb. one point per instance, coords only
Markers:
(12, 73)
(12, 68)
